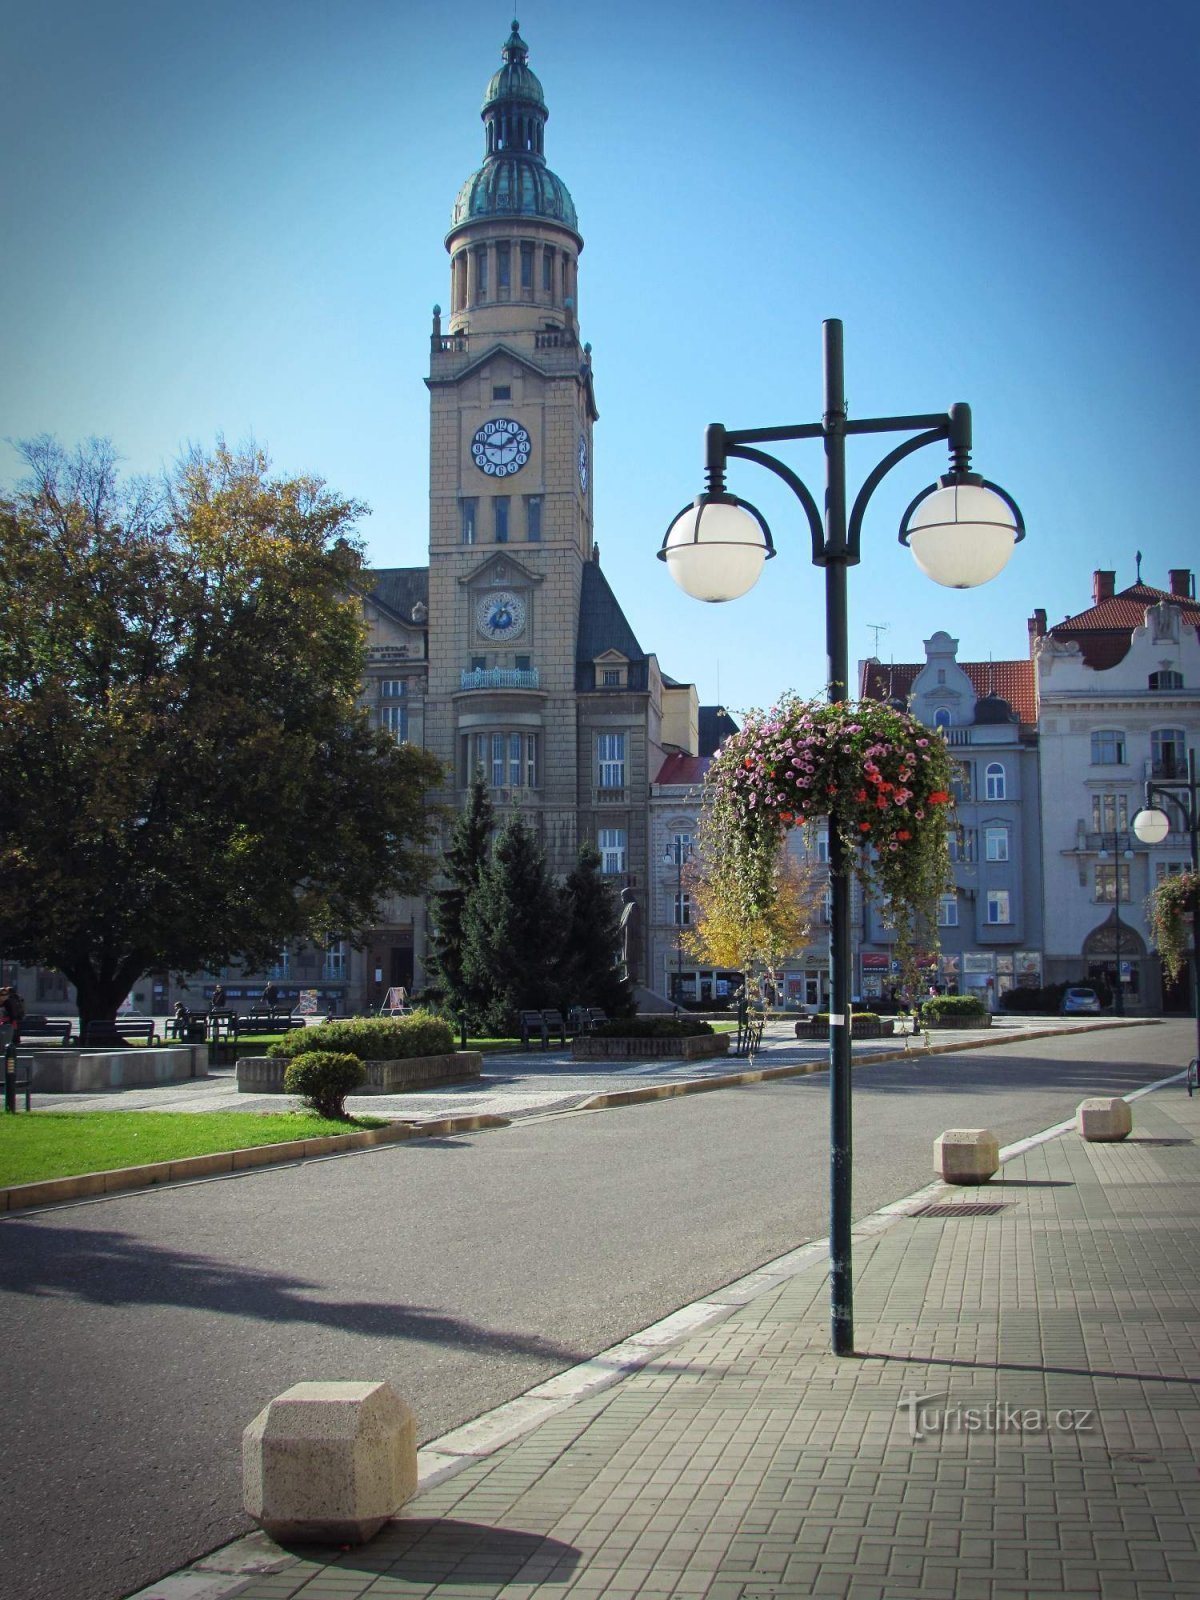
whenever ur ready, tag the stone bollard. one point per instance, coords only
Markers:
(966, 1155)
(329, 1463)
(1102, 1121)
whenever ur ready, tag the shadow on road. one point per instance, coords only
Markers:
(107, 1268)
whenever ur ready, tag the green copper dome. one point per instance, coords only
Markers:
(514, 180)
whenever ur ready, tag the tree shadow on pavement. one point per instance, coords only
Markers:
(106, 1268)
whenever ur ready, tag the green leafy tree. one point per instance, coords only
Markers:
(512, 931)
(590, 971)
(464, 861)
(188, 780)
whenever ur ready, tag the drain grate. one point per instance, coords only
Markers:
(964, 1208)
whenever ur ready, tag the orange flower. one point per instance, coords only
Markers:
(864, 827)
(939, 797)
(785, 816)
(904, 834)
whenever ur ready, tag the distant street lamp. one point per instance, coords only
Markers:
(1152, 825)
(1118, 856)
(961, 532)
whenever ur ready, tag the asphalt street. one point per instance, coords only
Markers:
(141, 1333)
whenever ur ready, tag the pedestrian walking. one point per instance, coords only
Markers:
(12, 1010)
(218, 997)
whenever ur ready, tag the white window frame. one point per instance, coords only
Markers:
(333, 968)
(996, 781)
(680, 849)
(947, 911)
(394, 719)
(1102, 740)
(613, 844)
(996, 844)
(610, 760)
(681, 909)
(999, 908)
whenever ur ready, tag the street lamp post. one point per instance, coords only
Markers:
(961, 531)
(1118, 855)
(1152, 824)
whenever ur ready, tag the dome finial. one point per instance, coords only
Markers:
(514, 47)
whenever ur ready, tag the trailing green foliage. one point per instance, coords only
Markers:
(323, 1078)
(653, 1028)
(1166, 909)
(419, 1033)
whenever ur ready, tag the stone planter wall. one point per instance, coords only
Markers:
(139, 1067)
(985, 1021)
(264, 1074)
(590, 1048)
(858, 1030)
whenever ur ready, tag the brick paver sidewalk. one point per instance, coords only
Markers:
(1054, 1348)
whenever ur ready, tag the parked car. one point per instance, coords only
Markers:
(1079, 999)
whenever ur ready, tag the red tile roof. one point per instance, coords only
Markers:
(1104, 631)
(1011, 680)
(679, 768)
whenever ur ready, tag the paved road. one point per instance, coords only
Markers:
(141, 1333)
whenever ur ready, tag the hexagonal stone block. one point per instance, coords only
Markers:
(1103, 1120)
(966, 1155)
(329, 1463)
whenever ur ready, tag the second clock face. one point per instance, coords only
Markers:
(583, 462)
(501, 447)
(501, 615)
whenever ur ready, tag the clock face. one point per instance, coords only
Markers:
(501, 615)
(501, 447)
(583, 462)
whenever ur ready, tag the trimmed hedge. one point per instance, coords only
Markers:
(652, 1028)
(420, 1033)
(953, 1005)
(324, 1078)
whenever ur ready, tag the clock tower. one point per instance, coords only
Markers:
(510, 530)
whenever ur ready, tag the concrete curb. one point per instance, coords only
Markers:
(223, 1163)
(733, 1080)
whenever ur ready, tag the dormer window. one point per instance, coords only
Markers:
(1166, 679)
(610, 677)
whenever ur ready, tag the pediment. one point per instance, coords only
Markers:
(499, 571)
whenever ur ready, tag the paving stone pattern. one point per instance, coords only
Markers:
(748, 1463)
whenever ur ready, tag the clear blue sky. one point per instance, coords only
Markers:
(230, 218)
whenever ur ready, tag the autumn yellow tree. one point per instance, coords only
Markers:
(729, 931)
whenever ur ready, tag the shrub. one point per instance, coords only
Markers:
(954, 1005)
(653, 1028)
(867, 1018)
(373, 1038)
(324, 1078)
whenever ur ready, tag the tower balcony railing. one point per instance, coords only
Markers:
(500, 678)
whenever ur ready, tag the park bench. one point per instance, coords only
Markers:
(530, 1023)
(190, 1027)
(56, 1029)
(586, 1019)
(104, 1035)
(554, 1024)
(263, 1022)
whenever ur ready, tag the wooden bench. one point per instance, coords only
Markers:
(553, 1023)
(57, 1029)
(189, 1027)
(105, 1035)
(261, 1022)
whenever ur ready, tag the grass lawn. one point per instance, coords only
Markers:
(62, 1144)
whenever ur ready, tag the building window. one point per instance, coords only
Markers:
(1110, 813)
(509, 760)
(281, 967)
(523, 663)
(392, 689)
(478, 663)
(610, 760)
(681, 913)
(481, 273)
(1166, 679)
(547, 270)
(394, 719)
(501, 502)
(826, 915)
(680, 848)
(995, 844)
(961, 842)
(996, 781)
(611, 843)
(960, 781)
(823, 847)
(610, 678)
(502, 269)
(502, 391)
(335, 961)
(468, 510)
(1106, 880)
(941, 718)
(527, 267)
(533, 517)
(1168, 753)
(998, 907)
(1108, 748)
(948, 911)
(1167, 869)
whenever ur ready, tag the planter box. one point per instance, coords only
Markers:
(985, 1021)
(858, 1030)
(590, 1048)
(81, 1071)
(264, 1074)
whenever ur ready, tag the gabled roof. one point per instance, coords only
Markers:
(715, 726)
(602, 624)
(397, 590)
(1009, 680)
(1104, 631)
(683, 769)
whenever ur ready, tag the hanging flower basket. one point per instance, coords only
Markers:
(1166, 908)
(880, 777)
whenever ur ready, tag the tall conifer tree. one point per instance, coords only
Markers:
(465, 858)
(512, 930)
(591, 973)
